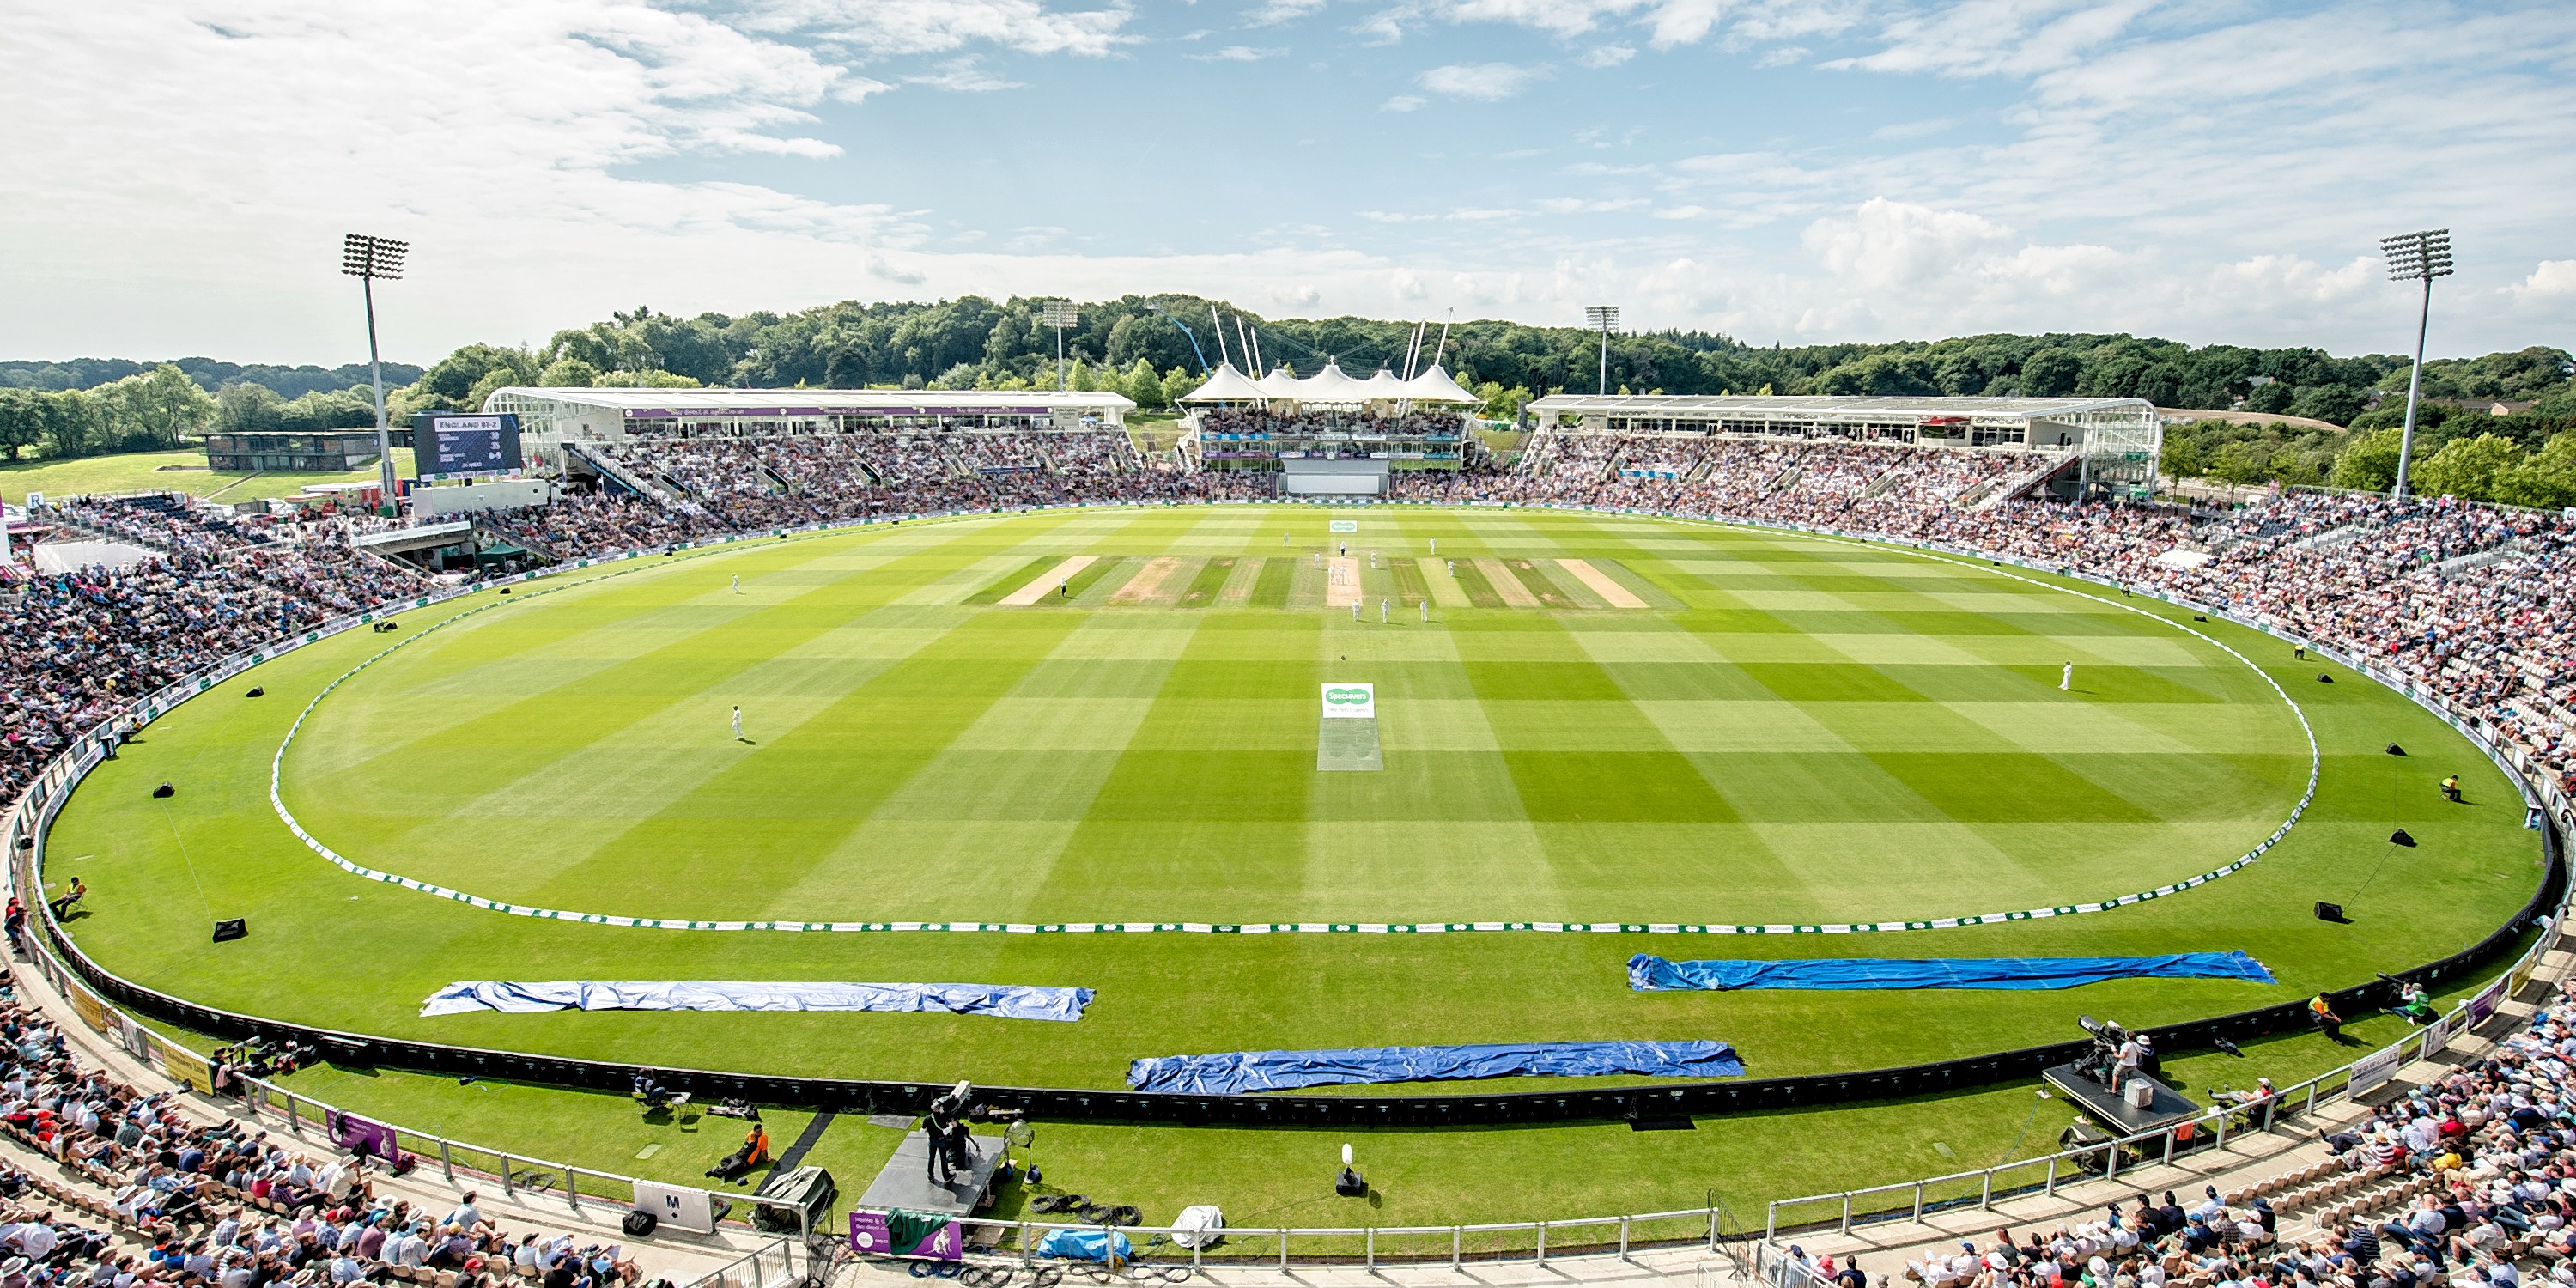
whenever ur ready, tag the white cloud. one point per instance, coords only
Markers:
(1913, 129)
(2552, 279)
(1272, 12)
(892, 28)
(964, 76)
(1608, 56)
(1784, 56)
(1595, 206)
(1483, 82)
(1240, 54)
(1402, 103)
(1987, 37)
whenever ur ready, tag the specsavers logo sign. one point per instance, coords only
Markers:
(1350, 701)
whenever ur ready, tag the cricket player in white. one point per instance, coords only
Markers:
(737, 724)
(737, 583)
(2066, 678)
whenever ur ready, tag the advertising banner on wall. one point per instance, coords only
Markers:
(2374, 1069)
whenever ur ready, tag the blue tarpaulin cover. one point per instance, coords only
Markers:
(1647, 974)
(1242, 1071)
(1085, 1245)
(1009, 1001)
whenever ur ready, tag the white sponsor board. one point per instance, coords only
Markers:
(2374, 1069)
(1345, 525)
(1350, 702)
(680, 1207)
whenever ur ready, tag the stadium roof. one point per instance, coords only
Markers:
(1331, 385)
(824, 402)
(1836, 408)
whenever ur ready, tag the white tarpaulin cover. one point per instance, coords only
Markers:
(1009, 1001)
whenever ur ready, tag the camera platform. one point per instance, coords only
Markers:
(905, 1181)
(2105, 1106)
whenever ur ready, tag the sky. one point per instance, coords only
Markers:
(180, 172)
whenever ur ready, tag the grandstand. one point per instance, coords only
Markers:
(2110, 445)
(2473, 606)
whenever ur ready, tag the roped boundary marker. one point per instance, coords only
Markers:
(277, 802)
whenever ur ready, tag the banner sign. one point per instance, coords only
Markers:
(358, 1136)
(907, 1234)
(681, 1207)
(2485, 1003)
(86, 1005)
(2373, 1069)
(186, 1067)
(1350, 702)
(2437, 1035)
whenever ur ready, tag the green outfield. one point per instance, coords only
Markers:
(1595, 719)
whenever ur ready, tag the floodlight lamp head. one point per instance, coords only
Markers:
(1061, 313)
(380, 258)
(1601, 317)
(2417, 257)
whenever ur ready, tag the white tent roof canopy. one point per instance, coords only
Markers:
(1329, 387)
(1435, 386)
(1225, 384)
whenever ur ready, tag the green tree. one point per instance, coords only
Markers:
(2369, 461)
(2273, 399)
(155, 409)
(329, 409)
(1142, 385)
(2467, 467)
(75, 423)
(246, 408)
(2245, 461)
(569, 373)
(2335, 403)
(2051, 373)
(22, 420)
(2546, 480)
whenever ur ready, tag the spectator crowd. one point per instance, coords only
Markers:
(157, 1195)
(2468, 1181)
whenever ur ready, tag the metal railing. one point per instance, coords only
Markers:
(780, 1262)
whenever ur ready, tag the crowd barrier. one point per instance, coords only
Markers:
(62, 958)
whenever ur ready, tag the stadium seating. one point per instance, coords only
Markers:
(2468, 1181)
(192, 1199)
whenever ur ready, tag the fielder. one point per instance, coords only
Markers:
(737, 583)
(737, 724)
(2066, 679)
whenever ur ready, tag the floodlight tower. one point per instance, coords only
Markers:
(1603, 318)
(2415, 257)
(1060, 314)
(370, 260)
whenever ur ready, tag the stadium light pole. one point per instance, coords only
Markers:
(1602, 318)
(2415, 257)
(370, 260)
(1060, 314)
